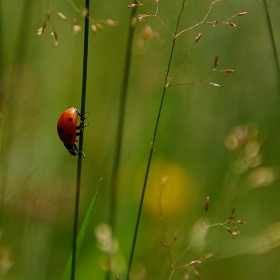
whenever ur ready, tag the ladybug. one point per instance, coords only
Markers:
(68, 130)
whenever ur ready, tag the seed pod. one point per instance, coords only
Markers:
(197, 38)
(207, 203)
(132, 6)
(62, 16)
(241, 14)
(99, 26)
(93, 29)
(111, 22)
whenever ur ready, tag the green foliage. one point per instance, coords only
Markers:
(217, 142)
(81, 236)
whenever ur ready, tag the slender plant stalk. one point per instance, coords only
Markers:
(81, 138)
(272, 37)
(121, 120)
(153, 144)
(115, 172)
(9, 95)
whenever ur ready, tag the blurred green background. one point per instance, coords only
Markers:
(39, 80)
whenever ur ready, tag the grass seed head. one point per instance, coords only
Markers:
(132, 6)
(241, 14)
(62, 16)
(175, 236)
(207, 256)
(85, 12)
(99, 26)
(147, 32)
(207, 203)
(54, 35)
(111, 22)
(41, 31)
(93, 29)
(197, 38)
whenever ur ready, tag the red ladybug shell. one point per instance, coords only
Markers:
(67, 125)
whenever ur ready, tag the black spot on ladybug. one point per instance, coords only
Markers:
(61, 129)
(70, 119)
(70, 136)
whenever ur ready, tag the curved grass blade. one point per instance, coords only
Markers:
(81, 236)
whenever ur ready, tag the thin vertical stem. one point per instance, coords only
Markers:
(81, 137)
(272, 37)
(153, 144)
(9, 99)
(122, 107)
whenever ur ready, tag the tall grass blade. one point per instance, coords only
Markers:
(122, 109)
(153, 144)
(81, 138)
(81, 237)
(9, 95)
(272, 37)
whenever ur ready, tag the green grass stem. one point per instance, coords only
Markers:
(81, 137)
(122, 108)
(9, 94)
(272, 37)
(153, 144)
(81, 235)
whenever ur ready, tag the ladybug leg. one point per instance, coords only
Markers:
(82, 126)
(77, 151)
(72, 149)
(82, 117)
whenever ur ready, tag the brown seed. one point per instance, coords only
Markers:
(99, 26)
(232, 24)
(197, 274)
(131, 6)
(93, 29)
(207, 203)
(48, 14)
(230, 231)
(241, 14)
(133, 22)
(195, 262)
(85, 12)
(141, 16)
(62, 16)
(197, 38)
(147, 32)
(216, 62)
(111, 22)
(207, 256)
(54, 34)
(163, 244)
